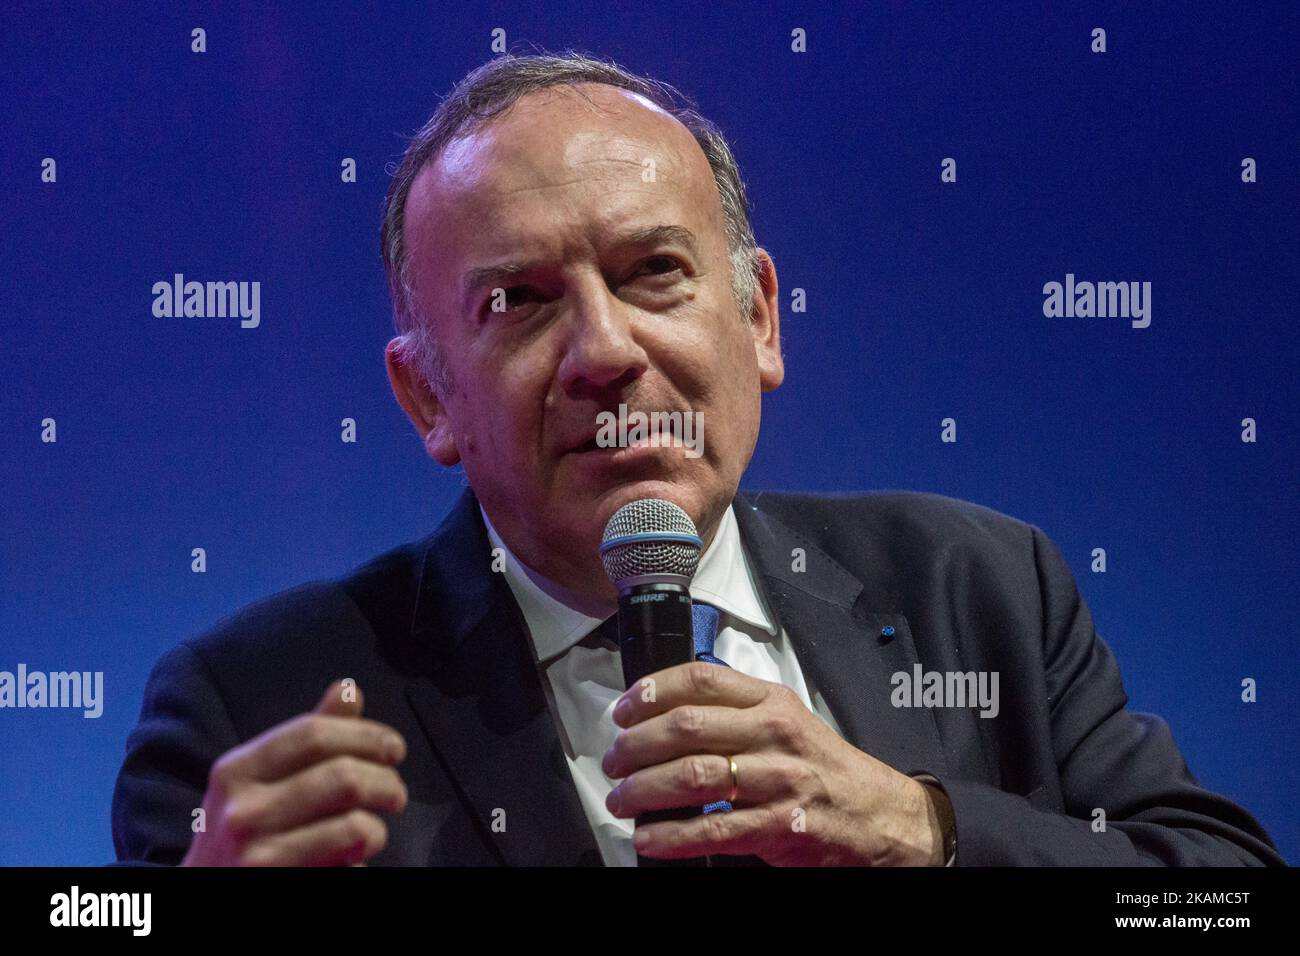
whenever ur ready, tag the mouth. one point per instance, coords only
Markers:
(616, 454)
(588, 447)
(657, 433)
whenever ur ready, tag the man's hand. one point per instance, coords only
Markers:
(304, 793)
(806, 797)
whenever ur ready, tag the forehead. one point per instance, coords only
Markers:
(561, 168)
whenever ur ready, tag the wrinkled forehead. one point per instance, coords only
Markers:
(553, 167)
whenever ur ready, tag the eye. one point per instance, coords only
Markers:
(513, 297)
(662, 264)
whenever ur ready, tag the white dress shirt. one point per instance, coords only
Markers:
(582, 675)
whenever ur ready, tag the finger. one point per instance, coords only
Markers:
(337, 841)
(698, 682)
(323, 790)
(309, 739)
(699, 779)
(738, 833)
(689, 729)
(343, 698)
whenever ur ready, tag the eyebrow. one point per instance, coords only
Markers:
(493, 275)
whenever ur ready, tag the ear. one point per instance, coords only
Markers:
(765, 325)
(422, 405)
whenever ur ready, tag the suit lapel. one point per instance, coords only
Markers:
(847, 650)
(480, 701)
(478, 695)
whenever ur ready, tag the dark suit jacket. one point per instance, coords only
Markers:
(435, 640)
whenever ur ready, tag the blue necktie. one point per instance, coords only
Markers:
(704, 625)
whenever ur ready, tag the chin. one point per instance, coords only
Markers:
(687, 497)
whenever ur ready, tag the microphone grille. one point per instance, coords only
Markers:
(650, 536)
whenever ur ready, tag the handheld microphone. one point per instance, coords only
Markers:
(650, 550)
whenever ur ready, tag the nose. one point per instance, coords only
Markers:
(602, 355)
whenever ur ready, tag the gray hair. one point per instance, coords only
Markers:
(493, 88)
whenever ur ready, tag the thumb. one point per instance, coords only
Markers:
(341, 699)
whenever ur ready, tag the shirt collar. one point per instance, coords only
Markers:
(724, 579)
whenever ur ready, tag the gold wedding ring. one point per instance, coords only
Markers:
(735, 779)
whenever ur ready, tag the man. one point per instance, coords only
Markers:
(562, 240)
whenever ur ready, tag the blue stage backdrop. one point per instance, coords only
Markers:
(919, 172)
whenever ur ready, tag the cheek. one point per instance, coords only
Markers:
(736, 369)
(742, 398)
(507, 414)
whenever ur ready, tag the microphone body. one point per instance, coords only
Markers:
(654, 629)
(650, 551)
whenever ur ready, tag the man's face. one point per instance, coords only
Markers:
(595, 315)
